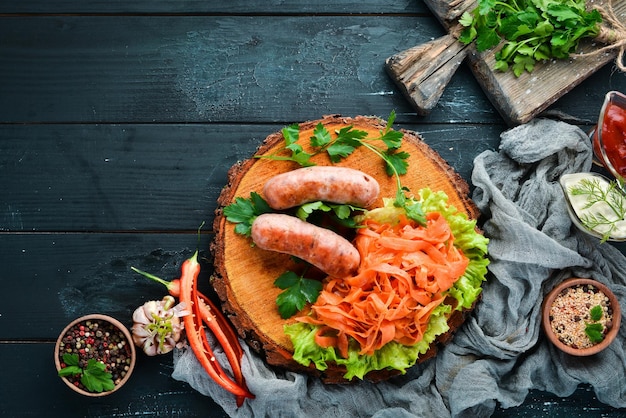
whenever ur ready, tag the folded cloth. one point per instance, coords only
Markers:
(499, 354)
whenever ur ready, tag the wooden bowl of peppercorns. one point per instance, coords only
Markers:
(95, 355)
(581, 317)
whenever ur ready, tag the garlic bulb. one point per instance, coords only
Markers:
(157, 326)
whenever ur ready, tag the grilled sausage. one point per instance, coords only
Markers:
(326, 183)
(321, 247)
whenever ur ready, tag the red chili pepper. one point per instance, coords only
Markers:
(225, 335)
(194, 329)
(204, 311)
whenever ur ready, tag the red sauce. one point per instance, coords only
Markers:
(614, 136)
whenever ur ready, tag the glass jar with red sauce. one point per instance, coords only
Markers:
(609, 136)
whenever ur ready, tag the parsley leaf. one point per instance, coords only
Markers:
(243, 212)
(596, 313)
(71, 365)
(594, 332)
(94, 376)
(297, 291)
(396, 162)
(321, 136)
(291, 135)
(340, 213)
(350, 136)
(415, 211)
(339, 151)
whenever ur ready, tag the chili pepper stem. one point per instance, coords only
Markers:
(151, 276)
(173, 287)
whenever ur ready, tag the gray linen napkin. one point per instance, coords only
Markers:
(500, 353)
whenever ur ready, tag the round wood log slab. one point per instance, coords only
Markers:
(244, 274)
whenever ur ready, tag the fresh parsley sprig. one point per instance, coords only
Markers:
(340, 213)
(532, 30)
(595, 330)
(611, 195)
(345, 142)
(93, 376)
(297, 291)
(243, 211)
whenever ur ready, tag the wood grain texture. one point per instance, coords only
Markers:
(63, 276)
(244, 275)
(423, 72)
(274, 7)
(148, 177)
(149, 391)
(229, 69)
(154, 393)
(210, 69)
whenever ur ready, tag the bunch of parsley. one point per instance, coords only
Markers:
(532, 30)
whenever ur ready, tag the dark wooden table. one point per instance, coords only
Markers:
(118, 123)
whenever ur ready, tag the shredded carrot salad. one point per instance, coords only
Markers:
(404, 273)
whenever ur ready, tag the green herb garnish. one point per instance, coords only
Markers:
(346, 141)
(93, 376)
(595, 330)
(533, 30)
(340, 213)
(611, 196)
(244, 211)
(297, 291)
(595, 313)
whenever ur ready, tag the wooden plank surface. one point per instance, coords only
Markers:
(274, 7)
(87, 273)
(118, 121)
(227, 69)
(156, 177)
(152, 393)
(198, 69)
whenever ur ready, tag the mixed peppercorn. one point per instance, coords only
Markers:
(98, 340)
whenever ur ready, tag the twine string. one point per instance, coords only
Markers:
(613, 35)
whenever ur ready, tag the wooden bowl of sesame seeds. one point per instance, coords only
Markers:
(581, 317)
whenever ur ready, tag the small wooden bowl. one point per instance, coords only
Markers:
(129, 343)
(608, 337)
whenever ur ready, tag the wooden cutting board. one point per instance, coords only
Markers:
(244, 274)
(422, 72)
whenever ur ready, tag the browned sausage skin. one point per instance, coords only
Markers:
(321, 247)
(326, 183)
